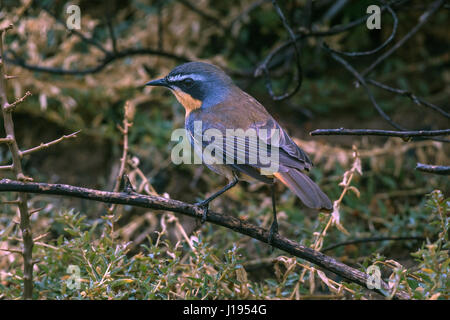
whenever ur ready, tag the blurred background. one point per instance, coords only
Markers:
(82, 79)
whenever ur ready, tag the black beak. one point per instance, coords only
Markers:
(159, 82)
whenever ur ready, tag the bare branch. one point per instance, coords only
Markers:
(49, 144)
(201, 13)
(127, 117)
(89, 41)
(13, 105)
(12, 251)
(445, 170)
(25, 225)
(362, 81)
(372, 239)
(123, 160)
(422, 20)
(374, 132)
(388, 40)
(228, 221)
(263, 68)
(8, 27)
(33, 211)
(91, 70)
(410, 95)
(6, 140)
(304, 33)
(110, 26)
(10, 77)
(7, 167)
(245, 13)
(15, 201)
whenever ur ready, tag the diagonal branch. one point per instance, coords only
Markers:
(10, 107)
(410, 95)
(383, 45)
(230, 222)
(422, 20)
(362, 81)
(201, 13)
(48, 144)
(263, 67)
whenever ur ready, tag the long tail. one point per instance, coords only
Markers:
(305, 189)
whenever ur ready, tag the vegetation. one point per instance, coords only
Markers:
(386, 213)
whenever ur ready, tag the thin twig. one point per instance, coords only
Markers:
(13, 105)
(6, 140)
(433, 169)
(373, 239)
(127, 117)
(362, 81)
(201, 13)
(8, 167)
(85, 39)
(48, 144)
(12, 251)
(375, 132)
(111, 27)
(263, 68)
(388, 40)
(422, 20)
(410, 95)
(91, 70)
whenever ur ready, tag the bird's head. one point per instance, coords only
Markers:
(196, 85)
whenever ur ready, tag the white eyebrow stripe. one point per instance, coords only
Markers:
(180, 77)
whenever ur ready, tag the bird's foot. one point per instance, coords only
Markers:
(205, 206)
(127, 186)
(272, 232)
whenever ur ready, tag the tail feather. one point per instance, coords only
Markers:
(308, 192)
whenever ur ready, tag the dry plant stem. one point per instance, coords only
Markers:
(123, 159)
(238, 225)
(25, 225)
(346, 183)
(145, 185)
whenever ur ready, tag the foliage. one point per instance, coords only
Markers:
(193, 269)
(139, 254)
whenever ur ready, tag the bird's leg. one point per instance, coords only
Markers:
(127, 186)
(205, 203)
(274, 227)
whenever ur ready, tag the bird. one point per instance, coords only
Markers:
(210, 96)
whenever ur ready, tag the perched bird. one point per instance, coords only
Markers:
(210, 96)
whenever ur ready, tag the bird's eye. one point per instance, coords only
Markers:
(188, 82)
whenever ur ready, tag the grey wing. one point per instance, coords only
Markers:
(262, 145)
(237, 157)
(291, 155)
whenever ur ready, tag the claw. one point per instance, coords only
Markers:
(272, 232)
(205, 206)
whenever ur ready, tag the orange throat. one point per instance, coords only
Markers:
(189, 103)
